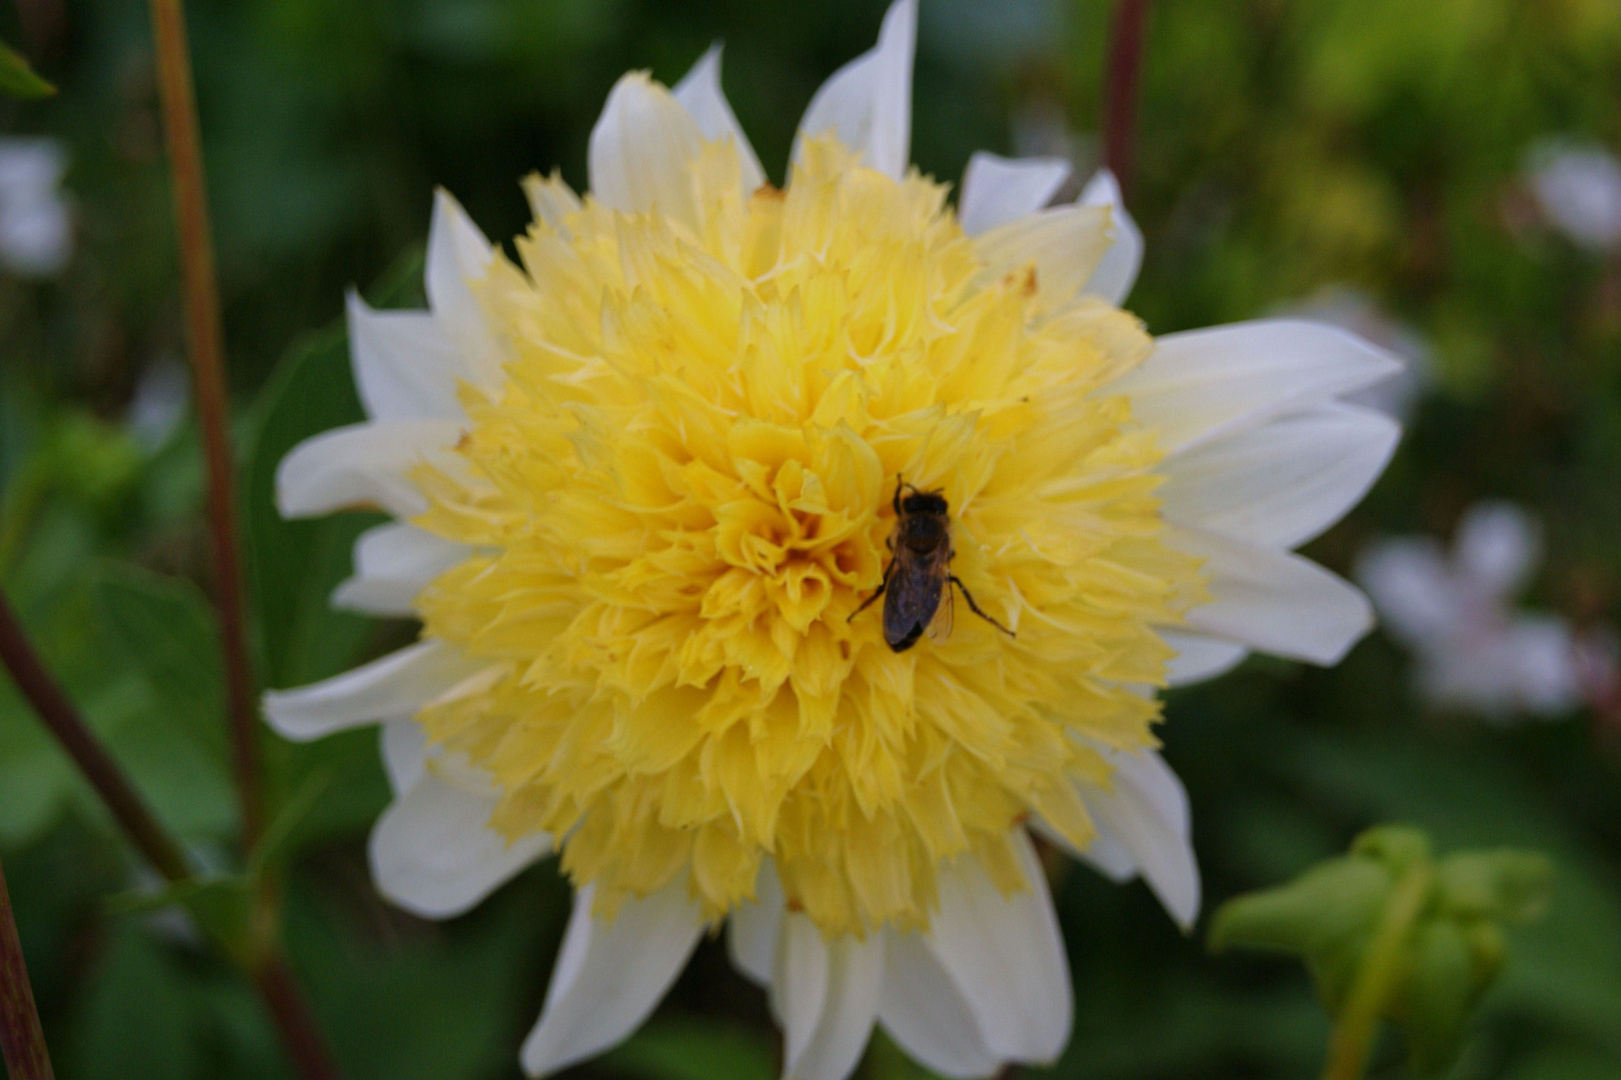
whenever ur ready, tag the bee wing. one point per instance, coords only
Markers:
(940, 629)
(912, 600)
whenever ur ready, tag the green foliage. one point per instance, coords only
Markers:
(18, 79)
(694, 1049)
(1433, 927)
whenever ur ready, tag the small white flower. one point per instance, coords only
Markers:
(1455, 612)
(162, 394)
(36, 224)
(1578, 189)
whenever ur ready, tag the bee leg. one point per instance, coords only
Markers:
(896, 502)
(882, 585)
(968, 596)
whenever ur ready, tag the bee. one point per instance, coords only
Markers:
(920, 569)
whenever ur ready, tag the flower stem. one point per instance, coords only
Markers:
(22, 1041)
(59, 715)
(207, 351)
(300, 1036)
(1352, 1040)
(263, 962)
(1120, 97)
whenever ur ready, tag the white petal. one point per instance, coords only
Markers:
(395, 685)
(404, 366)
(926, 1014)
(1063, 242)
(1414, 589)
(700, 93)
(1198, 658)
(610, 975)
(754, 928)
(458, 255)
(1146, 815)
(1498, 545)
(364, 465)
(1204, 384)
(1274, 601)
(393, 563)
(1545, 664)
(997, 190)
(1284, 482)
(1006, 957)
(405, 753)
(434, 854)
(867, 103)
(855, 972)
(641, 150)
(1117, 270)
(799, 983)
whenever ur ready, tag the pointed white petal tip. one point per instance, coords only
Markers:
(997, 190)
(1274, 601)
(1203, 385)
(458, 256)
(398, 684)
(1005, 956)
(867, 103)
(700, 93)
(1116, 272)
(641, 149)
(610, 975)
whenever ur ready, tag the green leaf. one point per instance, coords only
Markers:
(136, 1018)
(222, 905)
(18, 79)
(175, 743)
(167, 627)
(284, 829)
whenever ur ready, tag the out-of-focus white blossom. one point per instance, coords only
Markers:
(159, 404)
(1349, 308)
(36, 223)
(1578, 189)
(1455, 611)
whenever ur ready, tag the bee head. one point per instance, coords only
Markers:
(924, 502)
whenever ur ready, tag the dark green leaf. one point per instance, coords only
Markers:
(167, 627)
(135, 1019)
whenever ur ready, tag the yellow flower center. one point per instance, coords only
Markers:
(682, 495)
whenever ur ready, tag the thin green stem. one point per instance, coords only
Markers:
(22, 1040)
(207, 352)
(1352, 1040)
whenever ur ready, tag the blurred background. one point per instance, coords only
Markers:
(1439, 177)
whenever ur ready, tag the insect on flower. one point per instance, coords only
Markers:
(918, 573)
(633, 471)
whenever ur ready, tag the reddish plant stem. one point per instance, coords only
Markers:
(1120, 95)
(94, 762)
(22, 1040)
(300, 1037)
(207, 349)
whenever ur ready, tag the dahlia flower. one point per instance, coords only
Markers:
(643, 484)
